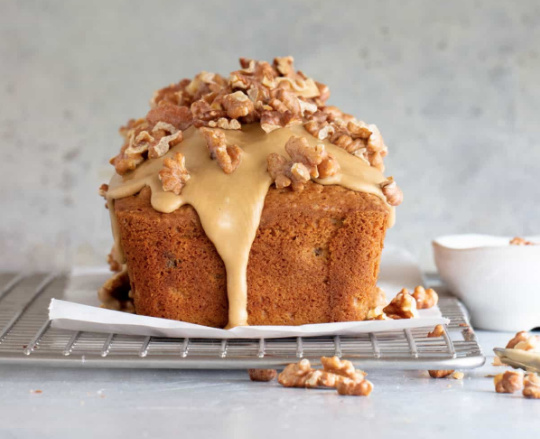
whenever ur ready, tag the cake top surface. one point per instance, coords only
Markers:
(272, 95)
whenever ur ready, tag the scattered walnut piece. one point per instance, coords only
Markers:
(440, 373)
(262, 374)
(115, 293)
(438, 331)
(354, 388)
(294, 375)
(425, 298)
(227, 156)
(458, 375)
(403, 306)
(508, 382)
(337, 373)
(342, 368)
(520, 241)
(531, 386)
(392, 192)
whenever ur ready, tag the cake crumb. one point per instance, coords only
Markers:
(263, 375)
(36, 391)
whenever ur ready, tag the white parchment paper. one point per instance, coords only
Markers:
(80, 310)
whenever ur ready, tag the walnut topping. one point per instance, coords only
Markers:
(354, 388)
(174, 174)
(337, 373)
(520, 241)
(531, 386)
(438, 331)
(306, 162)
(315, 158)
(508, 382)
(403, 306)
(425, 298)
(225, 124)
(227, 156)
(165, 135)
(392, 192)
(275, 95)
(262, 374)
(238, 105)
(115, 293)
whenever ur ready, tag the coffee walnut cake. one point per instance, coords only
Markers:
(248, 201)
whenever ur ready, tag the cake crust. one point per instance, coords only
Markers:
(315, 259)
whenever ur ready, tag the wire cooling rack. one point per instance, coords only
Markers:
(26, 337)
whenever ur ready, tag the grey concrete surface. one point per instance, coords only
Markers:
(454, 87)
(85, 403)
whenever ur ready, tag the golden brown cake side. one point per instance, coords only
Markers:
(315, 259)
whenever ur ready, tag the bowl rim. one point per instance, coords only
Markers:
(438, 244)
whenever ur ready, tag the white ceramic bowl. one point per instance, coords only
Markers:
(499, 283)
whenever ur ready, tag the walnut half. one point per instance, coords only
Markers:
(403, 306)
(227, 156)
(174, 174)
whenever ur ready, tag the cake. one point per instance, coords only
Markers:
(248, 201)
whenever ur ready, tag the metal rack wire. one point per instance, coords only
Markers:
(26, 337)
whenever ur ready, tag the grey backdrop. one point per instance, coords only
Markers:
(454, 87)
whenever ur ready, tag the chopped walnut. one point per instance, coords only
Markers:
(179, 117)
(273, 120)
(227, 156)
(531, 386)
(403, 306)
(425, 298)
(392, 192)
(354, 388)
(508, 382)
(174, 174)
(165, 136)
(262, 374)
(115, 293)
(284, 65)
(440, 373)
(225, 124)
(337, 373)
(458, 375)
(238, 105)
(520, 241)
(319, 163)
(438, 331)
(294, 375)
(342, 368)
(319, 130)
(279, 169)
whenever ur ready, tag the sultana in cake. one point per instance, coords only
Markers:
(248, 201)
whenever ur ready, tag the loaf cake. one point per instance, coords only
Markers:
(248, 201)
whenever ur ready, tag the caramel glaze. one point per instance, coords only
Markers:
(230, 205)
